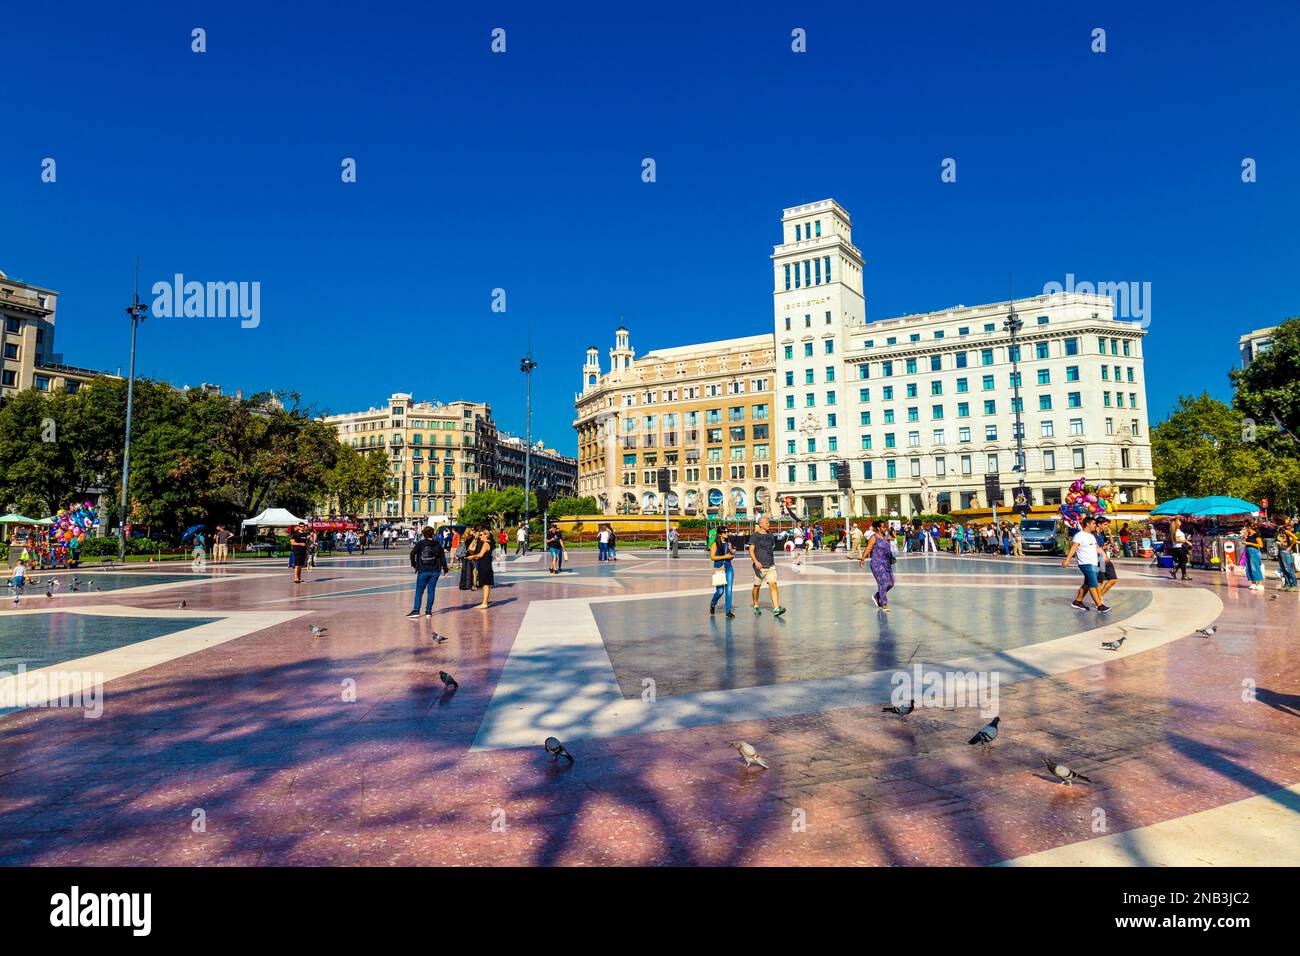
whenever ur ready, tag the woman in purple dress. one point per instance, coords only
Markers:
(882, 562)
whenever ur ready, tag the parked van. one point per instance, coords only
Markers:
(1042, 535)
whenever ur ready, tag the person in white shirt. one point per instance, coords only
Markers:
(521, 540)
(602, 539)
(1083, 548)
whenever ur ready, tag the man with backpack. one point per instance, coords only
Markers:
(429, 560)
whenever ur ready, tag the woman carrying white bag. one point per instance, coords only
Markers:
(722, 554)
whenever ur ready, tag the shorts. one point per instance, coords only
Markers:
(1089, 575)
(1109, 574)
(765, 575)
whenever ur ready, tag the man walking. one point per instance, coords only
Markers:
(1083, 548)
(521, 540)
(602, 543)
(429, 560)
(1106, 574)
(761, 547)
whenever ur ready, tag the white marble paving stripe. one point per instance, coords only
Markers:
(559, 679)
(131, 658)
(1256, 831)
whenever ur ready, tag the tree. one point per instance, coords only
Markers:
(357, 477)
(1268, 390)
(1208, 448)
(495, 508)
(573, 506)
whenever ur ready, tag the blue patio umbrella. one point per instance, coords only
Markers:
(1221, 506)
(190, 532)
(1175, 506)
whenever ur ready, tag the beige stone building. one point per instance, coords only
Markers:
(29, 361)
(703, 411)
(437, 454)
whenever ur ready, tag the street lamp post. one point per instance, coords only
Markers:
(526, 365)
(138, 312)
(1013, 324)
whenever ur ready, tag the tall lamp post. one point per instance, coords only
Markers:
(138, 313)
(526, 365)
(1013, 324)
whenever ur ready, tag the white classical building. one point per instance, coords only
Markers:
(919, 410)
(923, 407)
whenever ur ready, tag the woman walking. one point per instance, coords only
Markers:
(1126, 540)
(722, 554)
(1179, 548)
(876, 547)
(1254, 542)
(483, 565)
(298, 541)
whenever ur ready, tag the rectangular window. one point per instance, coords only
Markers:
(1078, 460)
(808, 376)
(963, 434)
(789, 351)
(991, 407)
(1049, 460)
(936, 362)
(988, 383)
(1074, 399)
(911, 366)
(864, 371)
(965, 464)
(1044, 403)
(1076, 427)
(1072, 373)
(1046, 429)
(936, 411)
(830, 373)
(830, 398)
(915, 464)
(829, 346)
(959, 359)
(864, 394)
(891, 469)
(787, 286)
(1071, 346)
(1040, 350)
(986, 356)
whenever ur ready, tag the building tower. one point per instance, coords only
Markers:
(620, 356)
(591, 369)
(817, 302)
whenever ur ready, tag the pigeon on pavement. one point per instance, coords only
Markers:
(749, 754)
(988, 734)
(902, 711)
(1061, 772)
(556, 749)
(447, 679)
(1208, 631)
(1115, 645)
(181, 606)
(437, 638)
(316, 629)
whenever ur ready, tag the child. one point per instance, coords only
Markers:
(19, 579)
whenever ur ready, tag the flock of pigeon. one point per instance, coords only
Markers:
(53, 584)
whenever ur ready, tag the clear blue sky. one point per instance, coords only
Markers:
(522, 171)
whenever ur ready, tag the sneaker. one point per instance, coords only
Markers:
(713, 608)
(1078, 604)
(875, 600)
(778, 611)
(413, 616)
(1103, 609)
(729, 614)
(756, 610)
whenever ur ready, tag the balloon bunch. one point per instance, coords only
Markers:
(63, 538)
(1085, 500)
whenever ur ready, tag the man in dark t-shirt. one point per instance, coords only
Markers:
(762, 547)
(298, 540)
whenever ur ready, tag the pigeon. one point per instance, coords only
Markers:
(180, 606)
(437, 638)
(49, 590)
(1208, 631)
(1114, 645)
(448, 680)
(556, 749)
(988, 734)
(1062, 772)
(316, 629)
(92, 586)
(901, 711)
(748, 754)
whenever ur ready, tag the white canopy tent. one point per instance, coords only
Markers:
(272, 518)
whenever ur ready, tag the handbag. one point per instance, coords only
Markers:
(720, 578)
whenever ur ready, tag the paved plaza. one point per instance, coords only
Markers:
(229, 732)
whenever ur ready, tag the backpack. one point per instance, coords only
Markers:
(426, 556)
